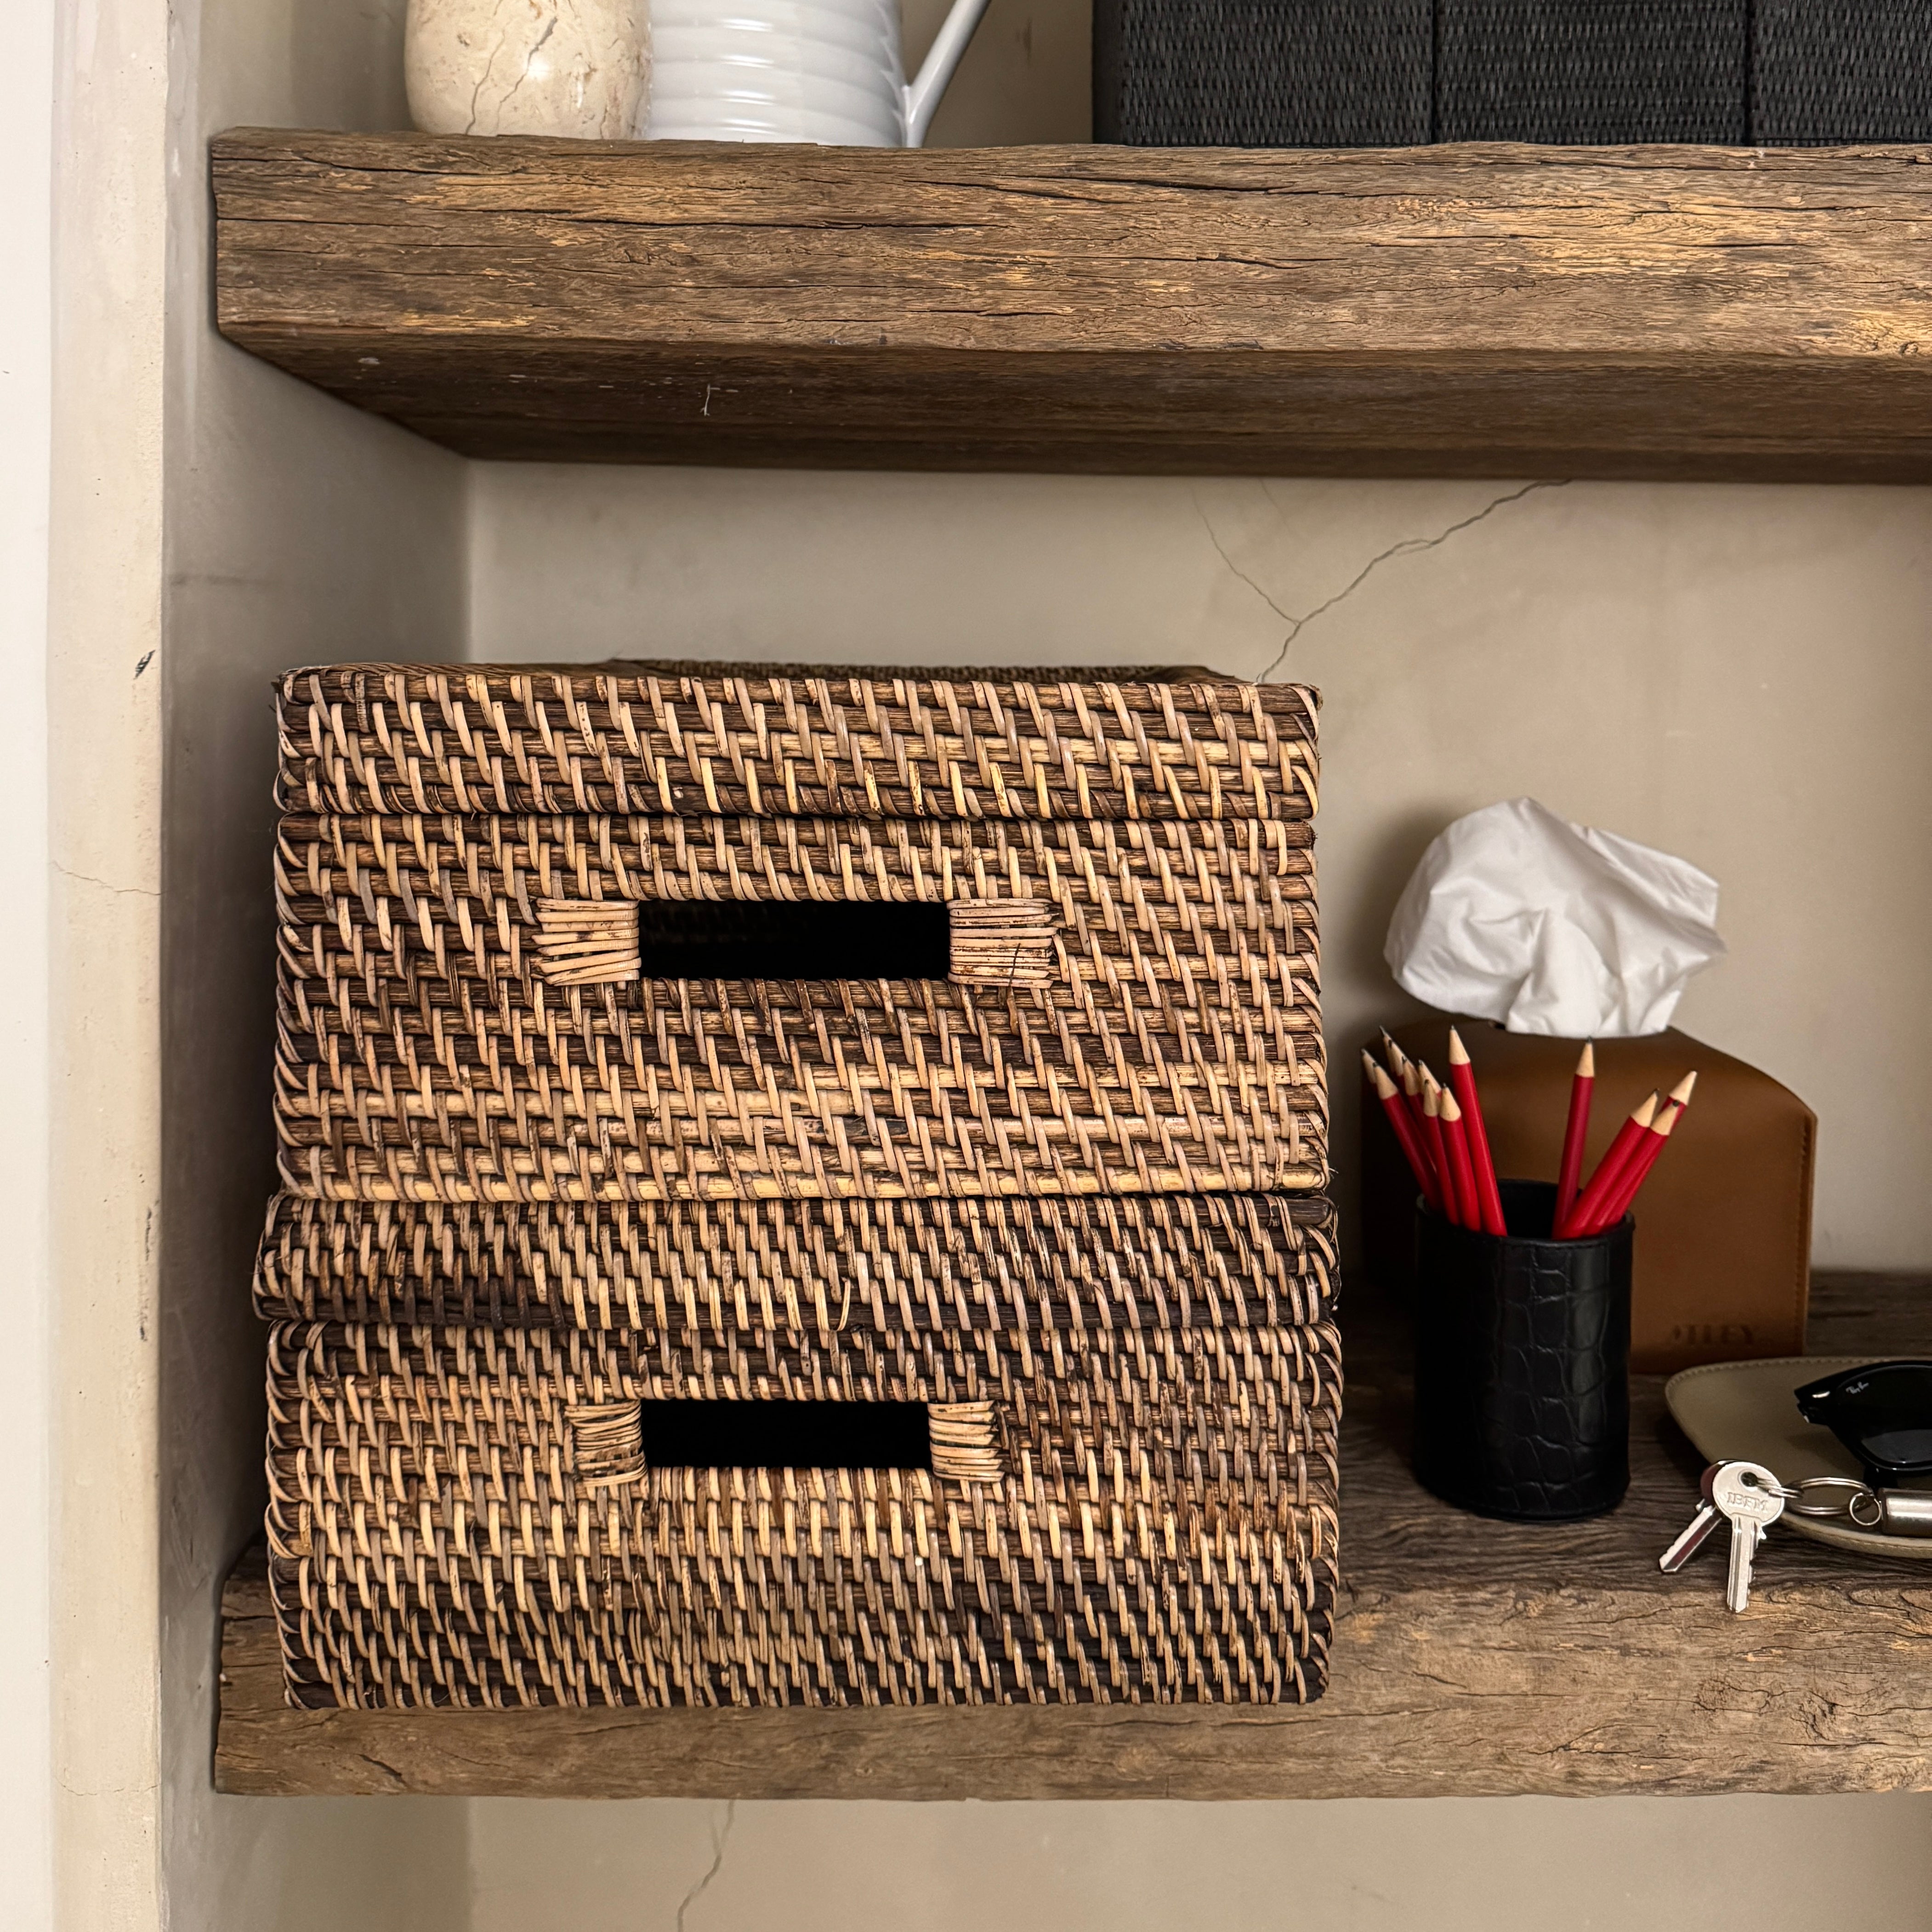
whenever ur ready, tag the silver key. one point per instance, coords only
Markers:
(1694, 1538)
(1752, 1499)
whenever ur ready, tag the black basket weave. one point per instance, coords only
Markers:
(1262, 73)
(1828, 72)
(1345, 73)
(1592, 73)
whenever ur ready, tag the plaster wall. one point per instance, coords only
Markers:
(1732, 673)
(297, 532)
(101, 873)
(26, 399)
(1431, 1864)
(1738, 674)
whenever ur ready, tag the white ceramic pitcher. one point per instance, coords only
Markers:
(828, 71)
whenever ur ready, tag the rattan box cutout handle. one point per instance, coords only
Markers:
(613, 1443)
(971, 942)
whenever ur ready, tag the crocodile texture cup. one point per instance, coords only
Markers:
(1522, 1363)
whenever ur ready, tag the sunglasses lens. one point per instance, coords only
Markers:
(1898, 1445)
(1884, 1413)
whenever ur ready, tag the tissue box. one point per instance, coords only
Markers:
(1723, 1225)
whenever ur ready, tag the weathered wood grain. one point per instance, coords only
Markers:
(1487, 310)
(1471, 1657)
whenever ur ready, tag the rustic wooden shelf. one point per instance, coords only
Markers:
(1490, 311)
(1471, 1658)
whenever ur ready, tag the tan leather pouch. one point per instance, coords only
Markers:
(1723, 1225)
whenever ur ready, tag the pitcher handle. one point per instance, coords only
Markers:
(923, 92)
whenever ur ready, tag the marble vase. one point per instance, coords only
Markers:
(576, 68)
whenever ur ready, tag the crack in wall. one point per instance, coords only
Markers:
(1407, 547)
(106, 885)
(718, 1836)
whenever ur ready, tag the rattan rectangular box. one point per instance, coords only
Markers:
(1006, 1456)
(617, 933)
(800, 1186)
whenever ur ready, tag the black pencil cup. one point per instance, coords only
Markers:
(1522, 1363)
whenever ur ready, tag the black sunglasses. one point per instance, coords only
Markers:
(1882, 1413)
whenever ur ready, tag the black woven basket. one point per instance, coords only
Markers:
(1591, 73)
(1828, 72)
(1346, 74)
(1263, 73)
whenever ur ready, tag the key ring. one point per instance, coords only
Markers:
(1861, 1499)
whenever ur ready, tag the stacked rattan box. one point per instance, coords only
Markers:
(800, 1186)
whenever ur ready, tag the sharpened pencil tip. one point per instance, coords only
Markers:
(1681, 1092)
(1586, 1061)
(1647, 1112)
(1459, 1053)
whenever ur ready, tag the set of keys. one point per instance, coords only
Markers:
(1749, 1498)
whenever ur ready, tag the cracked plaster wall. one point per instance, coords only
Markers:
(298, 531)
(1733, 673)
(1432, 1864)
(1739, 674)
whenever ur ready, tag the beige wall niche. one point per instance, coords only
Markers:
(298, 531)
(1739, 674)
(1430, 1864)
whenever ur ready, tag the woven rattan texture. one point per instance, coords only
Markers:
(1174, 1047)
(1163, 1530)
(1592, 72)
(1827, 72)
(1311, 73)
(1239, 1257)
(702, 743)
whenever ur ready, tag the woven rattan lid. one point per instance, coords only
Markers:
(681, 740)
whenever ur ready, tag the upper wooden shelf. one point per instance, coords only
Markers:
(1492, 310)
(1471, 1658)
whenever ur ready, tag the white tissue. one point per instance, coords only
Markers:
(1516, 915)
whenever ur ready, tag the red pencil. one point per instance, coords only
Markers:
(1432, 1138)
(1405, 1129)
(1462, 1174)
(1569, 1175)
(1412, 1090)
(1402, 1071)
(1595, 1197)
(1637, 1170)
(1463, 1078)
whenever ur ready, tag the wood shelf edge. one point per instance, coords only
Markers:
(1491, 311)
(1482, 1691)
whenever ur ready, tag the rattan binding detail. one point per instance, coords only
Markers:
(586, 942)
(965, 1442)
(606, 1444)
